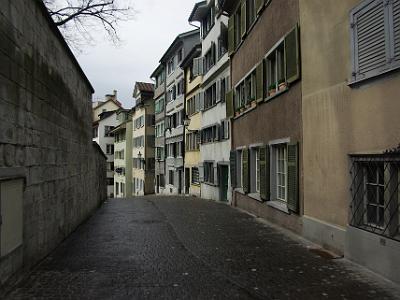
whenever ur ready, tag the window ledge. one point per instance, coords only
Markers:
(255, 196)
(240, 191)
(357, 82)
(245, 112)
(210, 107)
(210, 184)
(276, 95)
(279, 205)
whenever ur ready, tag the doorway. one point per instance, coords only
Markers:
(187, 181)
(223, 183)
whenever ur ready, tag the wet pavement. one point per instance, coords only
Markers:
(187, 248)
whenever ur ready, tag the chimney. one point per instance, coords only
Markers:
(115, 94)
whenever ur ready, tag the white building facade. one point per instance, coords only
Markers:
(215, 126)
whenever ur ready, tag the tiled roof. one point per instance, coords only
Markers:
(145, 87)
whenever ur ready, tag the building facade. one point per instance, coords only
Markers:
(265, 106)
(159, 109)
(143, 151)
(213, 65)
(105, 139)
(123, 154)
(109, 104)
(192, 184)
(175, 110)
(350, 106)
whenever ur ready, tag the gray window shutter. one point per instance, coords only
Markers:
(201, 173)
(229, 104)
(201, 101)
(245, 170)
(259, 5)
(260, 82)
(232, 161)
(201, 65)
(265, 190)
(370, 37)
(231, 34)
(218, 90)
(293, 177)
(215, 169)
(396, 31)
(195, 67)
(243, 21)
(292, 52)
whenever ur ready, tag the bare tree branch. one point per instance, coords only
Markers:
(78, 18)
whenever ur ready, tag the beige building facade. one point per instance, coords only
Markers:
(193, 126)
(143, 153)
(350, 91)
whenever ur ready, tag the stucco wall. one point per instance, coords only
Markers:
(338, 119)
(46, 135)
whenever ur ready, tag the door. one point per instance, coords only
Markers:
(187, 181)
(223, 183)
(180, 181)
(157, 184)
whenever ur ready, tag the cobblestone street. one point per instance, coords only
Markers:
(184, 248)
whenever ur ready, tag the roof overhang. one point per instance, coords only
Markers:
(177, 43)
(194, 53)
(199, 11)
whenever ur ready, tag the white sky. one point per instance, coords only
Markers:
(145, 40)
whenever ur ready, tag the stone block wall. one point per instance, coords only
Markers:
(45, 132)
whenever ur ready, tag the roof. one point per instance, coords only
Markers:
(157, 71)
(64, 44)
(103, 103)
(145, 87)
(194, 53)
(178, 39)
(199, 11)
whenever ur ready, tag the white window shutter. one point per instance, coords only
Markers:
(201, 65)
(201, 101)
(201, 172)
(218, 89)
(396, 30)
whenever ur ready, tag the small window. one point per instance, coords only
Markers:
(195, 176)
(209, 172)
(171, 177)
(279, 172)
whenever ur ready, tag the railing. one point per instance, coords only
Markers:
(375, 194)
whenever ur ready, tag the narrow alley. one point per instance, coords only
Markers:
(188, 248)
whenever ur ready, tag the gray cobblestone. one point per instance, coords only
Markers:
(184, 248)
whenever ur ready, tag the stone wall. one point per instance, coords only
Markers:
(46, 133)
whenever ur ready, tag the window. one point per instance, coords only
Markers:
(210, 96)
(238, 27)
(171, 150)
(208, 22)
(222, 44)
(195, 176)
(180, 55)
(110, 166)
(160, 153)
(180, 87)
(210, 58)
(171, 177)
(159, 130)
(210, 134)
(119, 154)
(117, 188)
(139, 122)
(193, 105)
(375, 194)
(138, 142)
(119, 137)
(209, 172)
(250, 12)
(160, 79)
(107, 130)
(159, 105)
(95, 132)
(171, 66)
(192, 141)
(279, 172)
(246, 91)
(110, 181)
(110, 149)
(375, 38)
(276, 73)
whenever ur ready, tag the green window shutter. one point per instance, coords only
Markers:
(293, 177)
(292, 52)
(231, 34)
(260, 82)
(232, 160)
(243, 18)
(229, 104)
(265, 189)
(259, 5)
(245, 170)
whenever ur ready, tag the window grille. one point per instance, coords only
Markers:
(375, 194)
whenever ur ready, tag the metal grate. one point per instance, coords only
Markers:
(375, 194)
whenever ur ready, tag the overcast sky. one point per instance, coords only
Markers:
(146, 39)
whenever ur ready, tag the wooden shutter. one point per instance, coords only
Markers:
(370, 40)
(245, 170)
(396, 30)
(292, 52)
(260, 82)
(293, 177)
(231, 34)
(201, 66)
(195, 67)
(229, 104)
(259, 5)
(265, 189)
(232, 162)
(243, 21)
